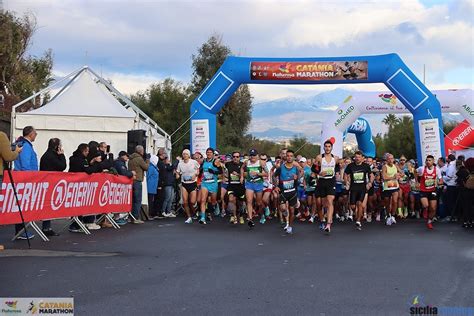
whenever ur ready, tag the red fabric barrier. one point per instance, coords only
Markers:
(461, 137)
(50, 195)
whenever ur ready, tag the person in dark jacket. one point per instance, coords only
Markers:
(52, 160)
(466, 195)
(167, 178)
(121, 166)
(107, 156)
(78, 162)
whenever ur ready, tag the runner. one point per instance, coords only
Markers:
(327, 181)
(235, 189)
(359, 177)
(287, 176)
(316, 208)
(404, 182)
(302, 197)
(390, 176)
(253, 170)
(188, 170)
(311, 182)
(267, 188)
(371, 196)
(224, 185)
(414, 190)
(429, 177)
(210, 168)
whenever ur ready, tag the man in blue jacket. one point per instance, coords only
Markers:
(27, 161)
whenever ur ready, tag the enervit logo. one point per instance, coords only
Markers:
(104, 193)
(59, 195)
(463, 134)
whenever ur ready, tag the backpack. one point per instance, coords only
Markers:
(469, 183)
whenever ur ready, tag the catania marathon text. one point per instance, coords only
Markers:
(34, 196)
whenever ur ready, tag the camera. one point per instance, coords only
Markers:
(19, 144)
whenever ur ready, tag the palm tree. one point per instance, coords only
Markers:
(391, 120)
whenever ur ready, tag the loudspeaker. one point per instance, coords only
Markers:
(135, 138)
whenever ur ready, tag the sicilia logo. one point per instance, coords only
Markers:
(284, 68)
(11, 304)
(388, 98)
(419, 308)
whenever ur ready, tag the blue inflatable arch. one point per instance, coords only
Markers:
(363, 133)
(388, 69)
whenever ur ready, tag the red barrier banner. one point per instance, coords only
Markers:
(49, 195)
(461, 137)
(307, 70)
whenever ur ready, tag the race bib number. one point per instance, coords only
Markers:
(187, 178)
(429, 183)
(234, 178)
(329, 172)
(358, 177)
(288, 185)
(208, 176)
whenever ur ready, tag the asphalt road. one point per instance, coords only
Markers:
(169, 268)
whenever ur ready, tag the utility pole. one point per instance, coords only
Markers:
(424, 73)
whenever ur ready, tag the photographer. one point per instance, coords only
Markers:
(107, 156)
(27, 160)
(121, 166)
(6, 153)
(139, 165)
(52, 160)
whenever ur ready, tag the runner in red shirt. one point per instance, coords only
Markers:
(429, 178)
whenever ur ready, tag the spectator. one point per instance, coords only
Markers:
(78, 162)
(27, 160)
(139, 165)
(168, 186)
(465, 179)
(52, 160)
(152, 177)
(160, 193)
(107, 156)
(121, 166)
(451, 187)
(6, 153)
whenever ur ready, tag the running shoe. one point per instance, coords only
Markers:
(400, 213)
(358, 226)
(417, 215)
(26, 236)
(338, 217)
(311, 219)
(202, 221)
(425, 213)
(405, 213)
(327, 229)
(250, 223)
(262, 219)
(377, 218)
(282, 224)
(267, 211)
(369, 218)
(241, 220)
(217, 210)
(429, 225)
(388, 222)
(289, 230)
(393, 220)
(322, 225)
(235, 221)
(349, 217)
(231, 219)
(189, 221)
(286, 226)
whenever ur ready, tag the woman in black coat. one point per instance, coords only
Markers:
(52, 160)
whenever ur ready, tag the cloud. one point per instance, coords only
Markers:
(147, 40)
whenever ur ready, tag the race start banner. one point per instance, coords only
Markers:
(307, 70)
(49, 195)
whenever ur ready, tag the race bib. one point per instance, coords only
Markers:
(429, 183)
(358, 177)
(208, 176)
(187, 178)
(329, 172)
(288, 185)
(234, 178)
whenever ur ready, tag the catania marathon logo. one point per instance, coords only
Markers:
(51, 308)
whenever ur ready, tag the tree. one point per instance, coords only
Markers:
(449, 126)
(390, 120)
(234, 118)
(400, 139)
(303, 147)
(168, 103)
(21, 75)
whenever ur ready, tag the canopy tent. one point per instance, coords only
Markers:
(87, 108)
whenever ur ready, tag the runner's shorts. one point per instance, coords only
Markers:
(236, 190)
(290, 197)
(254, 186)
(357, 195)
(190, 187)
(431, 196)
(388, 193)
(212, 187)
(327, 187)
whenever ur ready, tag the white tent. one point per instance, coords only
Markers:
(87, 108)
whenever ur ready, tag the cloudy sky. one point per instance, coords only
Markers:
(140, 42)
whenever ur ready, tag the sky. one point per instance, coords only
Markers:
(137, 43)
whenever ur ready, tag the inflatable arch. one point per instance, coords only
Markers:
(363, 133)
(460, 138)
(426, 133)
(388, 69)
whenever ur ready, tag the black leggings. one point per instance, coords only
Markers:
(466, 203)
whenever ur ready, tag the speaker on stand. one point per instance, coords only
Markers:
(135, 138)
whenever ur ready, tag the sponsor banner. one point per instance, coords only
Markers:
(307, 70)
(37, 306)
(49, 195)
(200, 135)
(461, 137)
(430, 139)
